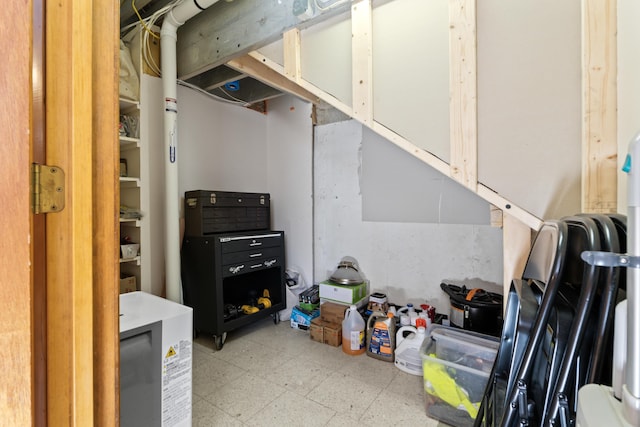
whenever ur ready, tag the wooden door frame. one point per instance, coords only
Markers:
(81, 39)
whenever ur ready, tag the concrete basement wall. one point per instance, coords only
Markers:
(405, 259)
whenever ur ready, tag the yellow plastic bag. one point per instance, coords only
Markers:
(438, 383)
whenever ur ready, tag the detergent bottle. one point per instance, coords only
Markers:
(381, 336)
(353, 332)
(408, 358)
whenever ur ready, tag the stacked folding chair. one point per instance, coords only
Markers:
(545, 357)
(543, 269)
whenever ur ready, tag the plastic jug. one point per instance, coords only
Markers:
(407, 315)
(353, 332)
(381, 336)
(408, 357)
(407, 309)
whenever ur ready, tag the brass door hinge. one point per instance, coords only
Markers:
(47, 189)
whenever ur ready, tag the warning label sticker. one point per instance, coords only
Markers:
(176, 383)
(170, 353)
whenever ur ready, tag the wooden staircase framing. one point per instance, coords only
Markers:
(599, 140)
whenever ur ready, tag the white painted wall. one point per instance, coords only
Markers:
(411, 71)
(290, 176)
(220, 146)
(229, 148)
(628, 87)
(406, 260)
(529, 103)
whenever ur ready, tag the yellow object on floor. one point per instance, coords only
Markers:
(439, 383)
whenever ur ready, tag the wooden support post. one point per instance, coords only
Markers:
(516, 244)
(291, 46)
(362, 61)
(599, 134)
(463, 88)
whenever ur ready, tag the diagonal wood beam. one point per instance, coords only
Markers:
(259, 71)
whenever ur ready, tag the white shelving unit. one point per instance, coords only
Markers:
(143, 186)
(130, 191)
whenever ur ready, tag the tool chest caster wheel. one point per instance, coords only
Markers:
(276, 317)
(219, 340)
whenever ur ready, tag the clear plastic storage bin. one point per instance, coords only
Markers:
(456, 366)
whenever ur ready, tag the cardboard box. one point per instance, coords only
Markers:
(127, 284)
(333, 334)
(346, 294)
(316, 330)
(333, 311)
(362, 304)
(326, 332)
(301, 319)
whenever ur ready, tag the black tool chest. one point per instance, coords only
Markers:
(208, 212)
(224, 271)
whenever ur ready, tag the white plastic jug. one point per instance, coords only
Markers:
(408, 358)
(353, 332)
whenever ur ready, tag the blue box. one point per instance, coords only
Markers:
(301, 319)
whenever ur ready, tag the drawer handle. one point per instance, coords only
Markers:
(269, 263)
(235, 269)
(255, 244)
(256, 265)
(255, 255)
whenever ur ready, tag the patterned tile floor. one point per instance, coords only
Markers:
(273, 375)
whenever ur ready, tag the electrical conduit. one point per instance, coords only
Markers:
(176, 17)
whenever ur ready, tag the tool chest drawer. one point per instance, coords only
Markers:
(251, 241)
(254, 255)
(245, 267)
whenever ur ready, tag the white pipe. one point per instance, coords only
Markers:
(177, 16)
(631, 386)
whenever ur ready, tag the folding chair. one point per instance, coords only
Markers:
(587, 349)
(557, 333)
(544, 266)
